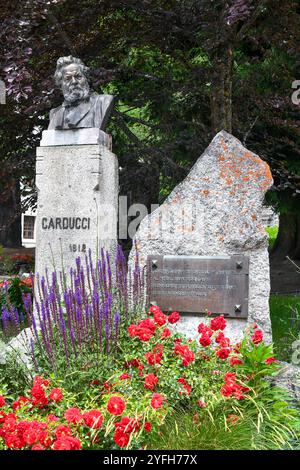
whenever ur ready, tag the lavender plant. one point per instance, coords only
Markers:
(86, 312)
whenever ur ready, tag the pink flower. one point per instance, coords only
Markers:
(157, 401)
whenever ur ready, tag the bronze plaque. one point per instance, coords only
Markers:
(219, 284)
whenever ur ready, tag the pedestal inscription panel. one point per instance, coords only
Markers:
(196, 284)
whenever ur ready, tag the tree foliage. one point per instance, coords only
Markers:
(180, 69)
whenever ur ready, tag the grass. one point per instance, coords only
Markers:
(185, 429)
(272, 232)
(285, 318)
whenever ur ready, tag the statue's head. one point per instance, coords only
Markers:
(71, 76)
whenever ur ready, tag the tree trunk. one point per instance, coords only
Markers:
(295, 254)
(221, 93)
(286, 241)
(10, 218)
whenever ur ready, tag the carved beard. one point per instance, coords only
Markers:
(74, 93)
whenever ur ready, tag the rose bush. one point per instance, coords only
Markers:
(154, 373)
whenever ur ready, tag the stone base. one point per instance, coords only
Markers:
(87, 136)
(77, 204)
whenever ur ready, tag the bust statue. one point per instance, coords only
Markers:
(81, 107)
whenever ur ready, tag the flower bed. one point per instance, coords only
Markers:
(125, 400)
(14, 292)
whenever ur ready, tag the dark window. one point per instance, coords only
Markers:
(28, 229)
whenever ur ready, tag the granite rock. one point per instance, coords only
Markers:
(216, 210)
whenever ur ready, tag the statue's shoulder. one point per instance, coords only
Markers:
(53, 111)
(104, 99)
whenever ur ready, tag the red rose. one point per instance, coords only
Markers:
(205, 340)
(229, 377)
(67, 443)
(20, 402)
(160, 318)
(2, 401)
(121, 438)
(185, 385)
(270, 360)
(187, 357)
(147, 426)
(30, 436)
(223, 353)
(116, 405)
(37, 447)
(154, 309)
(150, 381)
(2, 417)
(133, 330)
(56, 394)
(186, 354)
(93, 419)
(14, 442)
(73, 415)
(62, 431)
(201, 403)
(234, 361)
(128, 425)
(125, 376)
(153, 358)
(147, 323)
(166, 333)
(95, 382)
(107, 386)
(204, 329)
(220, 337)
(225, 343)
(145, 334)
(218, 323)
(157, 401)
(231, 388)
(174, 317)
(44, 438)
(257, 337)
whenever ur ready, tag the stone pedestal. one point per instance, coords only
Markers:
(77, 197)
(217, 211)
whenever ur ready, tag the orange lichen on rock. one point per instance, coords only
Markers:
(175, 199)
(242, 168)
(205, 192)
(224, 145)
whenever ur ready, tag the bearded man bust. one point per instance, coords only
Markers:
(81, 107)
